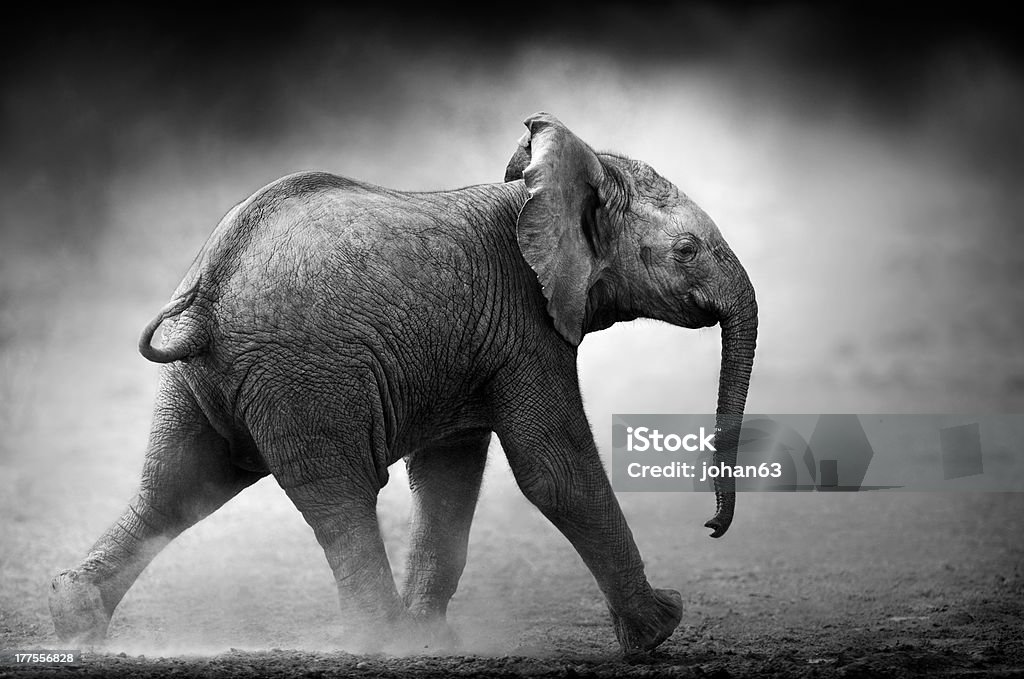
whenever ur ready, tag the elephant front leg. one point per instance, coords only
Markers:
(445, 483)
(551, 451)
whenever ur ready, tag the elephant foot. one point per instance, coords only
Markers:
(645, 629)
(409, 635)
(439, 637)
(425, 635)
(79, 615)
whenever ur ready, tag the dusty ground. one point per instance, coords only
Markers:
(902, 584)
(883, 239)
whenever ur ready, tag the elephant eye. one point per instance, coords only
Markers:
(684, 251)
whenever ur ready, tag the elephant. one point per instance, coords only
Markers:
(330, 327)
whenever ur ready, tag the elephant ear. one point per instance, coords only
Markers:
(520, 159)
(557, 225)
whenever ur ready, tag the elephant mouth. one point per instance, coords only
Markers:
(698, 312)
(703, 319)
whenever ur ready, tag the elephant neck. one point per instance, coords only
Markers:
(481, 220)
(604, 307)
(489, 211)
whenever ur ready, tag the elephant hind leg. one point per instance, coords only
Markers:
(336, 492)
(187, 475)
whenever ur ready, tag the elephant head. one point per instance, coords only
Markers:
(611, 240)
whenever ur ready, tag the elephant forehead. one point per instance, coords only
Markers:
(689, 217)
(656, 190)
(683, 218)
(647, 185)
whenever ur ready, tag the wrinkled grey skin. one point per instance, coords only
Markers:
(329, 328)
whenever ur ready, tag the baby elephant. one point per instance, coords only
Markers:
(329, 328)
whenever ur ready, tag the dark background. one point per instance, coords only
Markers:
(864, 164)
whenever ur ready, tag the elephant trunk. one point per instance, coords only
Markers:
(739, 337)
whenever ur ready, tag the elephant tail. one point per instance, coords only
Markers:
(183, 344)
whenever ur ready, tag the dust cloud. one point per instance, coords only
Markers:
(875, 202)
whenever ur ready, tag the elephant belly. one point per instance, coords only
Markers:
(443, 429)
